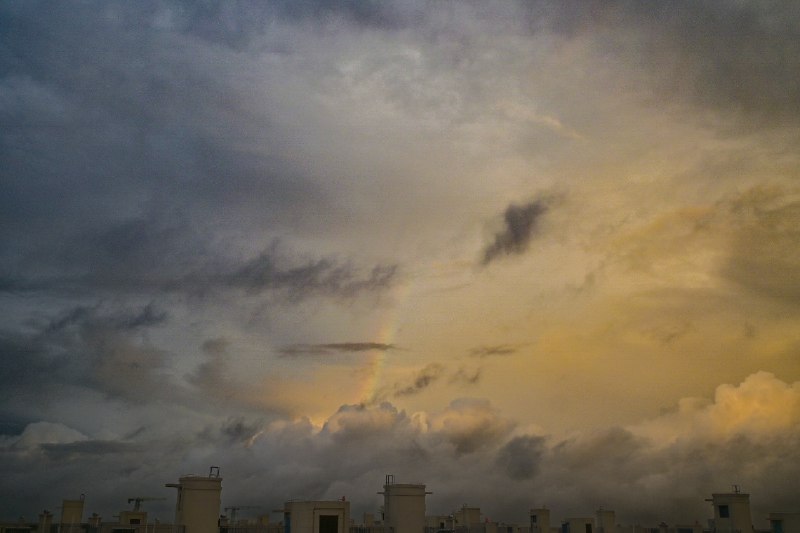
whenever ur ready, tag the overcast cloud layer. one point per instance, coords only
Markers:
(527, 253)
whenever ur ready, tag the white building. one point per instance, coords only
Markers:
(316, 516)
(404, 506)
(198, 502)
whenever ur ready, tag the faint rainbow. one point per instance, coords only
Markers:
(386, 335)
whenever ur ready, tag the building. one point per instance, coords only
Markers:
(404, 506)
(316, 516)
(198, 503)
(731, 512)
(784, 522)
(578, 525)
(539, 520)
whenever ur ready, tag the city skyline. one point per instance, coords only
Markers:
(531, 253)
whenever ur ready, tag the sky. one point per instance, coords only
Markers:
(539, 253)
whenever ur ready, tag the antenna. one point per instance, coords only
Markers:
(235, 508)
(137, 501)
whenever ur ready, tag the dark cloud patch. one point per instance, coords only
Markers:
(210, 375)
(296, 350)
(372, 13)
(740, 58)
(26, 363)
(423, 379)
(322, 276)
(426, 377)
(492, 351)
(137, 257)
(100, 347)
(78, 449)
(519, 225)
(520, 457)
(238, 429)
(470, 425)
(147, 316)
(466, 375)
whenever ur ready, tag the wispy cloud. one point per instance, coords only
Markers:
(295, 350)
(491, 351)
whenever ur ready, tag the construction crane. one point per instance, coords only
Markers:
(137, 501)
(233, 510)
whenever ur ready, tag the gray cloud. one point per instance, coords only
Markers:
(238, 429)
(490, 351)
(176, 171)
(421, 381)
(138, 257)
(466, 375)
(74, 450)
(520, 457)
(765, 256)
(735, 58)
(426, 377)
(612, 468)
(335, 347)
(98, 348)
(519, 226)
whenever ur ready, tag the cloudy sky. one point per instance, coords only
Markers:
(528, 253)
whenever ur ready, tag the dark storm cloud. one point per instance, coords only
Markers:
(128, 319)
(74, 450)
(290, 458)
(519, 226)
(238, 429)
(139, 257)
(120, 173)
(740, 58)
(520, 457)
(336, 347)
(97, 347)
(210, 375)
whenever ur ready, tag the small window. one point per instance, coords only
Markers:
(724, 511)
(136, 521)
(588, 528)
(534, 519)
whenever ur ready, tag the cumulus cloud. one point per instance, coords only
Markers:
(39, 433)
(520, 456)
(519, 226)
(470, 424)
(464, 450)
(761, 407)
